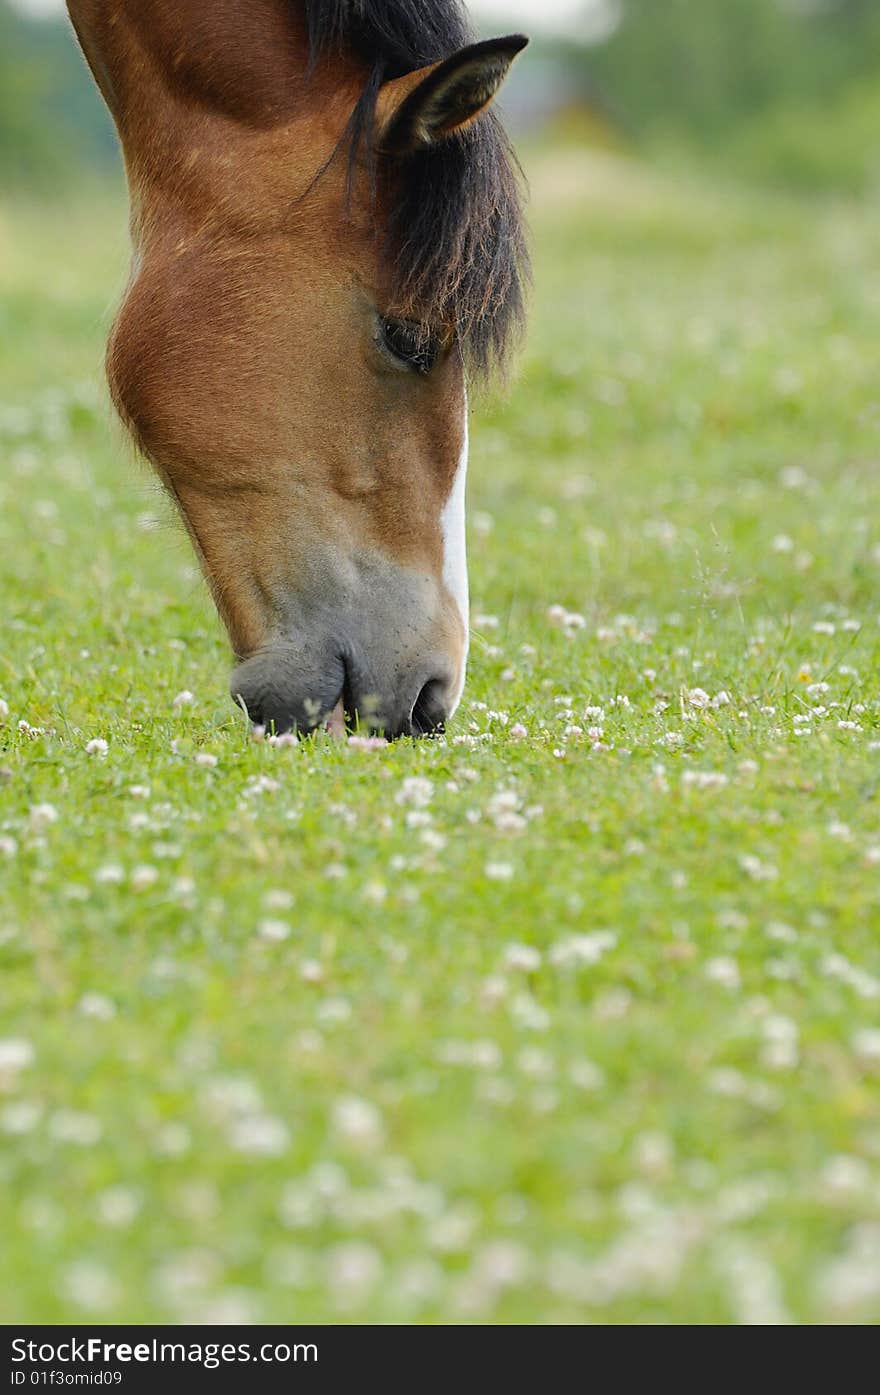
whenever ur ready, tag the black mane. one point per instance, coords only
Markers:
(455, 235)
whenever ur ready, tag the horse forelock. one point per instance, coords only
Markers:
(454, 239)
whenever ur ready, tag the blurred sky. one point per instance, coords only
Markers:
(590, 17)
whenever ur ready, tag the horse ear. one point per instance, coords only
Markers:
(422, 108)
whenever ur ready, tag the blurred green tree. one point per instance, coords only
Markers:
(705, 65)
(52, 123)
(788, 87)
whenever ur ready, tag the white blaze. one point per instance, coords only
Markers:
(452, 527)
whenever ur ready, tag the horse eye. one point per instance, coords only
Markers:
(410, 344)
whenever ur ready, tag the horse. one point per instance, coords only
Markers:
(328, 243)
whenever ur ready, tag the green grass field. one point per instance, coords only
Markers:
(571, 1016)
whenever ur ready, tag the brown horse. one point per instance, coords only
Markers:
(327, 236)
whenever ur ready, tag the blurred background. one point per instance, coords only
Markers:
(781, 92)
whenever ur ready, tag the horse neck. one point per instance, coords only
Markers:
(215, 98)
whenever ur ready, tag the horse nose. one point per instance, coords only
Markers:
(431, 708)
(278, 690)
(407, 708)
(288, 686)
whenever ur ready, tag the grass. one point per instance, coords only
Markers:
(547, 1027)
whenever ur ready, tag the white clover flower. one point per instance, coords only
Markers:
(333, 1010)
(845, 1177)
(72, 1126)
(353, 1270)
(278, 899)
(172, 1140)
(206, 759)
(583, 949)
(97, 1006)
(493, 990)
(367, 743)
(97, 746)
(15, 1055)
(755, 1290)
(143, 877)
(778, 930)
(523, 957)
(585, 1075)
(183, 699)
(41, 815)
(110, 874)
(704, 779)
(697, 697)
(499, 871)
(502, 1264)
(529, 1014)
(866, 1044)
(756, 869)
(32, 733)
(90, 1286)
(793, 477)
(724, 971)
(478, 1055)
(453, 1230)
(415, 790)
(117, 1206)
(274, 930)
(358, 1123)
(850, 1284)
(20, 1117)
(260, 1134)
(861, 982)
(780, 1049)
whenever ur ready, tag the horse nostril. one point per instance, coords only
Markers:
(429, 710)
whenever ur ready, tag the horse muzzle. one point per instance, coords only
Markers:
(288, 687)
